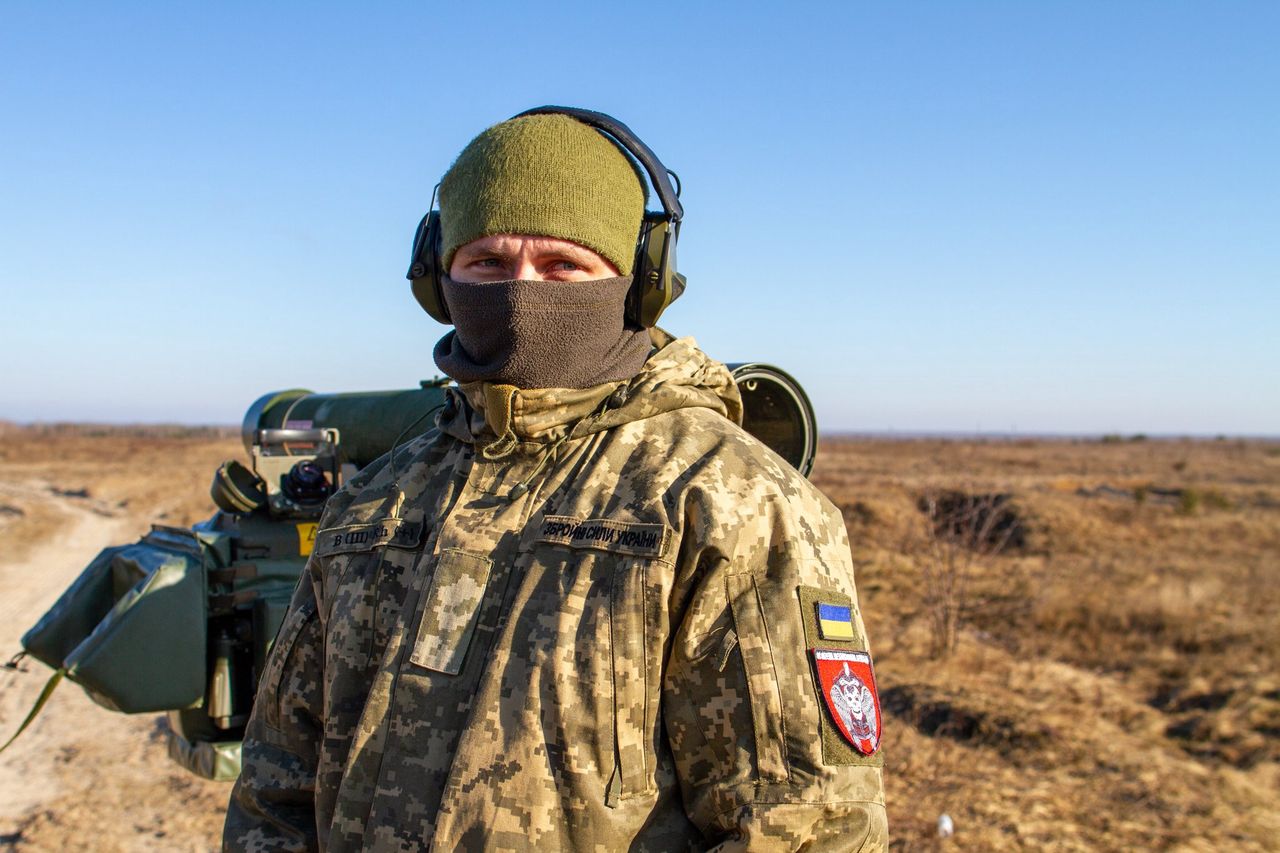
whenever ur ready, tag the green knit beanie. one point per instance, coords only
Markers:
(549, 176)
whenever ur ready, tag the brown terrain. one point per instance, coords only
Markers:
(1076, 641)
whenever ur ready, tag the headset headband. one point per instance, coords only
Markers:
(659, 175)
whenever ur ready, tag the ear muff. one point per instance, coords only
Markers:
(424, 268)
(655, 281)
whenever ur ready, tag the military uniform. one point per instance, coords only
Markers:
(598, 637)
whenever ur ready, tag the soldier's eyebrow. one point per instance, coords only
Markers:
(475, 253)
(571, 251)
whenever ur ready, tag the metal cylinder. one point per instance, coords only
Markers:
(220, 695)
(368, 422)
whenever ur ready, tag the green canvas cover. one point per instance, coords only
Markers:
(131, 629)
(137, 629)
(75, 614)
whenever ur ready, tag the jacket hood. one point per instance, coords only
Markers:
(677, 375)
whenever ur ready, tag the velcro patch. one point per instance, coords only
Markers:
(390, 532)
(849, 689)
(622, 537)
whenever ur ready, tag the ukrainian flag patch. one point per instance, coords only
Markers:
(835, 621)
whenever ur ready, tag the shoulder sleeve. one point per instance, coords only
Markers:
(772, 754)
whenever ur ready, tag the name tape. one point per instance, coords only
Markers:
(623, 537)
(388, 533)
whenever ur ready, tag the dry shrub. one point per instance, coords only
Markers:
(964, 535)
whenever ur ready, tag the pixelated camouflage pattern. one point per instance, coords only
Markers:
(515, 682)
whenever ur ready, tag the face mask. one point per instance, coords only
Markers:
(541, 334)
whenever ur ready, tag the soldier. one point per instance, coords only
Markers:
(587, 611)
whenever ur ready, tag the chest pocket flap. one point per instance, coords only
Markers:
(450, 609)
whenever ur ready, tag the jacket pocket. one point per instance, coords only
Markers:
(762, 679)
(634, 703)
(274, 671)
(450, 609)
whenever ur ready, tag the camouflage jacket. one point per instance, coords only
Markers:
(591, 632)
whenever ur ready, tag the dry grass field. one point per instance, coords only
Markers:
(1107, 678)
(1114, 684)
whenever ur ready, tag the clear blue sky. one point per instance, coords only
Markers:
(938, 216)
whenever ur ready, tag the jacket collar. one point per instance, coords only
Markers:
(677, 375)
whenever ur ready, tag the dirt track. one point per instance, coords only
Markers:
(81, 778)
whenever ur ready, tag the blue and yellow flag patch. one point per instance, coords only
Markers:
(835, 621)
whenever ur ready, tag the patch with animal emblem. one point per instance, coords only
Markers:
(849, 690)
(387, 533)
(833, 638)
(605, 534)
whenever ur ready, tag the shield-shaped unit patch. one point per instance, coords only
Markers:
(849, 688)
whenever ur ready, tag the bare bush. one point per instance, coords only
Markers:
(964, 533)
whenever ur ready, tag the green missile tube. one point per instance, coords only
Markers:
(776, 410)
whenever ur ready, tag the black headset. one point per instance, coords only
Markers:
(655, 282)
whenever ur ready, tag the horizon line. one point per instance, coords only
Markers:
(887, 433)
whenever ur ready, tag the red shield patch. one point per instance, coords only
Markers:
(848, 686)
